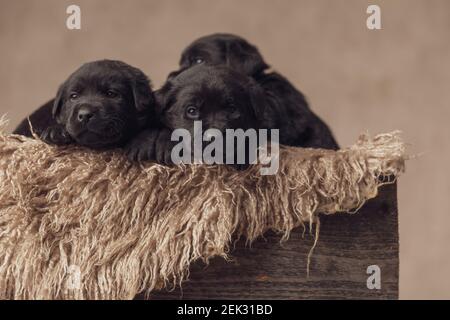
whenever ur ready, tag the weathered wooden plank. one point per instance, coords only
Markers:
(348, 244)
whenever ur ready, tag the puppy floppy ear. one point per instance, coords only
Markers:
(164, 97)
(244, 57)
(58, 102)
(143, 96)
(142, 93)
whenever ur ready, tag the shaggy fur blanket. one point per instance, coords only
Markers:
(80, 224)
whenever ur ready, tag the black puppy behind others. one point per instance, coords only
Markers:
(288, 109)
(101, 105)
(218, 97)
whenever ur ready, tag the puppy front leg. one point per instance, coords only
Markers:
(57, 135)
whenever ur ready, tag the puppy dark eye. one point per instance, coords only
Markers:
(111, 94)
(73, 96)
(198, 60)
(192, 112)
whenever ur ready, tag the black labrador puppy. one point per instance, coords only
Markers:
(288, 109)
(218, 97)
(101, 105)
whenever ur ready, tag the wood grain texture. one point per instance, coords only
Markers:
(348, 244)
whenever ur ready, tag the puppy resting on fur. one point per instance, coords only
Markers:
(219, 97)
(101, 105)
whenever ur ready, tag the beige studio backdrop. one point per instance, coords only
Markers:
(355, 79)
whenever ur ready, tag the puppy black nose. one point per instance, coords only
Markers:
(85, 114)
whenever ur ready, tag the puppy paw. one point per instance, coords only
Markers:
(154, 145)
(142, 146)
(56, 135)
(163, 147)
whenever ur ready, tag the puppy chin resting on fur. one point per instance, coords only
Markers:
(101, 105)
(219, 97)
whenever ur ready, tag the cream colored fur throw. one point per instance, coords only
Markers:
(80, 224)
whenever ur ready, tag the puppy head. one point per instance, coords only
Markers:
(224, 49)
(103, 103)
(218, 96)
